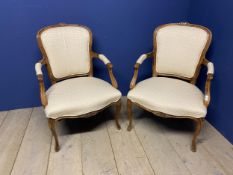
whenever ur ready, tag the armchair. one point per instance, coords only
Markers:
(178, 54)
(74, 93)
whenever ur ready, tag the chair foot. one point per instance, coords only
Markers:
(196, 133)
(194, 148)
(57, 147)
(52, 126)
(130, 116)
(117, 114)
(130, 127)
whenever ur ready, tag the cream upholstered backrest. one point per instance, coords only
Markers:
(67, 49)
(180, 48)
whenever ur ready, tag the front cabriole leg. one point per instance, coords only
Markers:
(199, 122)
(130, 115)
(52, 126)
(117, 114)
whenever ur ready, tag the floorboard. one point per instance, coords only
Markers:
(94, 146)
(33, 155)
(11, 135)
(218, 147)
(129, 154)
(97, 153)
(200, 162)
(163, 157)
(68, 161)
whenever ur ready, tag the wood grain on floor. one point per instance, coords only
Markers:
(94, 146)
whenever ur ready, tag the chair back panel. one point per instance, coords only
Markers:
(180, 48)
(67, 49)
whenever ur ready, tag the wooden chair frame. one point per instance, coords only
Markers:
(45, 61)
(202, 61)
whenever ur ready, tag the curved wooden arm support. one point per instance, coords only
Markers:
(210, 75)
(112, 78)
(109, 67)
(135, 76)
(136, 67)
(43, 97)
(207, 89)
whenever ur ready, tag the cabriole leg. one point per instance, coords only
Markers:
(117, 114)
(52, 126)
(196, 133)
(130, 116)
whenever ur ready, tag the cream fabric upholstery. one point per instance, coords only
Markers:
(170, 96)
(104, 58)
(67, 49)
(210, 67)
(77, 96)
(38, 69)
(179, 49)
(141, 59)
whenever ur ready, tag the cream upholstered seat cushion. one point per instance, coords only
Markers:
(170, 96)
(77, 96)
(179, 49)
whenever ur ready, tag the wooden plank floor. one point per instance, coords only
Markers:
(94, 146)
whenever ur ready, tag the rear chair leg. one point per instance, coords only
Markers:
(130, 116)
(196, 133)
(117, 114)
(52, 126)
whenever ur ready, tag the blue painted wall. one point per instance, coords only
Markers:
(218, 17)
(122, 31)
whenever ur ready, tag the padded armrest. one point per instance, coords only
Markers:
(210, 67)
(210, 73)
(108, 65)
(104, 59)
(38, 68)
(39, 74)
(141, 58)
(136, 67)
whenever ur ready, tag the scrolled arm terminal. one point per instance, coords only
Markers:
(139, 61)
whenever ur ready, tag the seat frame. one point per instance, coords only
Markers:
(192, 80)
(45, 61)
